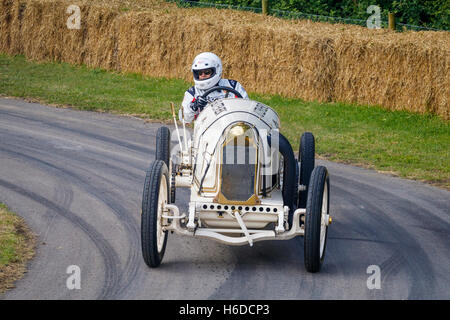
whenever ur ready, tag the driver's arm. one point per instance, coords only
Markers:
(241, 90)
(189, 114)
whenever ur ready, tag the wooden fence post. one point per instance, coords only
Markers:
(265, 7)
(391, 21)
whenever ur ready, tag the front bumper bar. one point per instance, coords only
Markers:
(225, 235)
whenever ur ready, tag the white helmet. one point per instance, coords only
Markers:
(207, 60)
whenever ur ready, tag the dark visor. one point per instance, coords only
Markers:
(209, 71)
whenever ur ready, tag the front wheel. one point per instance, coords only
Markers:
(155, 197)
(316, 219)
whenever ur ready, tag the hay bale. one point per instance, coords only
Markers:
(46, 35)
(304, 59)
(264, 59)
(5, 24)
(393, 72)
(11, 17)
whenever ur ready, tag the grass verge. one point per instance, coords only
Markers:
(399, 143)
(16, 247)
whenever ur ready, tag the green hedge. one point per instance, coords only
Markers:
(423, 13)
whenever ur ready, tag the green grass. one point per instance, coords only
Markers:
(406, 144)
(16, 247)
(89, 89)
(8, 237)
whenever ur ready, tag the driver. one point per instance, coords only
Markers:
(207, 70)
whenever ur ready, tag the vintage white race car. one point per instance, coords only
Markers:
(245, 183)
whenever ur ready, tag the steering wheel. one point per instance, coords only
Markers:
(220, 88)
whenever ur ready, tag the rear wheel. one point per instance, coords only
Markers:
(163, 153)
(163, 145)
(306, 155)
(316, 219)
(155, 197)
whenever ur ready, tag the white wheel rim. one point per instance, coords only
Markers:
(162, 201)
(323, 220)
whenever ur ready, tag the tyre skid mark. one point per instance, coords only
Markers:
(256, 263)
(23, 140)
(133, 261)
(382, 195)
(58, 140)
(119, 171)
(94, 136)
(110, 258)
(63, 197)
(404, 245)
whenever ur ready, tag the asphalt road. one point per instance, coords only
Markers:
(77, 177)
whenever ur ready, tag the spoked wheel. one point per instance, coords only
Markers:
(306, 155)
(155, 197)
(316, 220)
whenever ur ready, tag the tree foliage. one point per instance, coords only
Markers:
(425, 13)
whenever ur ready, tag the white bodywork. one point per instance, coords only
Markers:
(260, 217)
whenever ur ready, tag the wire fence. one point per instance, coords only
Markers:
(300, 15)
(416, 28)
(200, 4)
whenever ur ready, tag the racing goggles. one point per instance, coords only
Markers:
(207, 72)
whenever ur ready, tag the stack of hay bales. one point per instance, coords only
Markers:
(312, 61)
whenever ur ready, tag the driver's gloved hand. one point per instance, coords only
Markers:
(199, 104)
